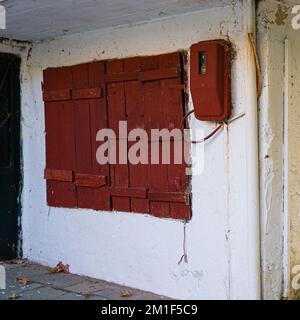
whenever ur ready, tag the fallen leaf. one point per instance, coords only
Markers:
(23, 281)
(60, 268)
(126, 294)
(13, 296)
(17, 261)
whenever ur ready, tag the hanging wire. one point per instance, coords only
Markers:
(184, 256)
(257, 65)
(185, 117)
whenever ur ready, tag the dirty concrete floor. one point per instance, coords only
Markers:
(62, 286)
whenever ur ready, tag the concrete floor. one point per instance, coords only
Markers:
(62, 286)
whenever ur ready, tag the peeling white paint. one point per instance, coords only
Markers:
(279, 162)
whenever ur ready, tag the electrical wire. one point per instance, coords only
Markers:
(257, 65)
(210, 135)
(214, 131)
(205, 138)
(184, 257)
(185, 117)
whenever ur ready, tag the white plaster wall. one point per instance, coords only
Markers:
(140, 250)
(279, 146)
(271, 123)
(294, 163)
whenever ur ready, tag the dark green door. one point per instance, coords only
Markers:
(9, 154)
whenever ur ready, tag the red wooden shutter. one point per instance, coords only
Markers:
(117, 112)
(138, 174)
(147, 92)
(60, 144)
(164, 108)
(91, 179)
(80, 100)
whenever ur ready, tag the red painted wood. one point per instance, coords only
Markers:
(117, 111)
(138, 174)
(90, 93)
(159, 74)
(99, 120)
(59, 175)
(156, 102)
(89, 180)
(83, 135)
(57, 95)
(60, 146)
(176, 197)
(153, 109)
(173, 113)
(211, 91)
(129, 192)
(122, 76)
(177, 86)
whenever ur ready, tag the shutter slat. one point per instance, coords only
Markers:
(58, 175)
(82, 115)
(159, 74)
(117, 107)
(154, 113)
(90, 93)
(122, 77)
(169, 197)
(98, 120)
(57, 95)
(129, 192)
(138, 174)
(89, 180)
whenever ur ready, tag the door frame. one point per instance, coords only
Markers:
(15, 142)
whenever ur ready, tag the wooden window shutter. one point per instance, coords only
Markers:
(117, 112)
(163, 99)
(91, 179)
(147, 92)
(129, 183)
(60, 144)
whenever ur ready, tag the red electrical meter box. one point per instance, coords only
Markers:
(210, 80)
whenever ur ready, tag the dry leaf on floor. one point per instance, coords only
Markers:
(23, 281)
(17, 261)
(60, 268)
(13, 296)
(126, 294)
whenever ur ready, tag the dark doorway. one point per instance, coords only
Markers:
(9, 154)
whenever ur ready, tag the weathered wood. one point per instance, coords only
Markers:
(57, 95)
(159, 74)
(89, 93)
(58, 175)
(89, 180)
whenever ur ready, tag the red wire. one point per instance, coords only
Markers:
(205, 138)
(210, 135)
(185, 117)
